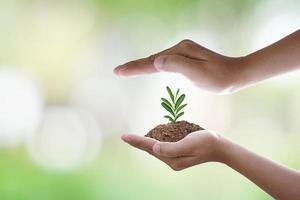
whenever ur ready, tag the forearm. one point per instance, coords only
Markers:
(278, 58)
(279, 181)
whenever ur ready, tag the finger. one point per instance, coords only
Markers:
(142, 143)
(171, 149)
(146, 144)
(180, 64)
(136, 67)
(178, 163)
(145, 65)
(181, 163)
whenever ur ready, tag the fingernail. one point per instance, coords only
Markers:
(124, 137)
(159, 63)
(156, 148)
(118, 70)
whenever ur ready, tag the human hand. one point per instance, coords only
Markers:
(196, 148)
(206, 69)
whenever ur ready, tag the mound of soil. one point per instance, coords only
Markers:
(173, 132)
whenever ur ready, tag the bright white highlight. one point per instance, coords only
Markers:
(20, 107)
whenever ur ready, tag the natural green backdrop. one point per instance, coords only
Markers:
(62, 110)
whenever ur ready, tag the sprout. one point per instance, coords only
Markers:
(175, 107)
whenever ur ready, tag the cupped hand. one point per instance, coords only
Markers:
(206, 69)
(196, 148)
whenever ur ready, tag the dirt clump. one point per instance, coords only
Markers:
(173, 132)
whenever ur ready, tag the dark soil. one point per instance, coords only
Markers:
(173, 132)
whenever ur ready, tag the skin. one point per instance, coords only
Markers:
(218, 73)
(221, 74)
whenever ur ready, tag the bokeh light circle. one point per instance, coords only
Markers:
(66, 139)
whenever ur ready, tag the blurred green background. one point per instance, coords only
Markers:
(62, 110)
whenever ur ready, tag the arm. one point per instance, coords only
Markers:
(279, 181)
(203, 146)
(217, 73)
(278, 58)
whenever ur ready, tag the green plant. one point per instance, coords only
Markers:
(175, 106)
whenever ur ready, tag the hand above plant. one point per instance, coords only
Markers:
(218, 73)
(205, 68)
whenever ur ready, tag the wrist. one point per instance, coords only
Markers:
(223, 150)
(243, 73)
(236, 69)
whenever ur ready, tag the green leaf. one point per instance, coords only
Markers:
(180, 108)
(169, 118)
(176, 94)
(179, 115)
(171, 94)
(179, 101)
(167, 102)
(168, 108)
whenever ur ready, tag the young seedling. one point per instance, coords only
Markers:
(175, 106)
(176, 130)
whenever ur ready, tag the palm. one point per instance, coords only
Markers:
(197, 147)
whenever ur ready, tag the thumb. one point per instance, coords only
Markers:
(175, 63)
(170, 149)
